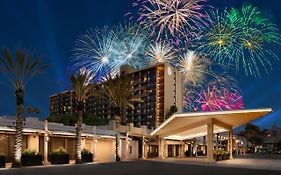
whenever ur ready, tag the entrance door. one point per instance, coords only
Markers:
(177, 150)
(170, 151)
(153, 151)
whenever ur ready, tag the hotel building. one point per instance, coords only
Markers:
(160, 87)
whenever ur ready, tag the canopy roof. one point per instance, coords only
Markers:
(194, 124)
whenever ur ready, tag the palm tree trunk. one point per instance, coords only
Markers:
(117, 119)
(19, 128)
(78, 135)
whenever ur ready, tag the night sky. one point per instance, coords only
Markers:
(51, 27)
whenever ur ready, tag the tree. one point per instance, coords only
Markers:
(253, 134)
(82, 90)
(119, 93)
(70, 119)
(19, 69)
(173, 109)
(279, 145)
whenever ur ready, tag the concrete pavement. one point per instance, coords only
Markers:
(140, 167)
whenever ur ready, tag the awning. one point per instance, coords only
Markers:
(194, 124)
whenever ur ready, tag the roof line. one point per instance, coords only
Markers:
(205, 113)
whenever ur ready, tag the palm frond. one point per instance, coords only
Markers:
(21, 68)
(81, 84)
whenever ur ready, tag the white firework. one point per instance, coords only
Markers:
(160, 52)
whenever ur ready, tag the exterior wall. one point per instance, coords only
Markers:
(160, 88)
(129, 149)
(169, 93)
(105, 150)
(33, 142)
(179, 91)
(63, 103)
(173, 89)
(88, 144)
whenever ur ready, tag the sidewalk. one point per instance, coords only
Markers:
(259, 164)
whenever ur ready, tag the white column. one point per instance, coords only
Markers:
(126, 146)
(204, 145)
(160, 148)
(95, 141)
(165, 149)
(230, 143)
(143, 148)
(182, 150)
(210, 141)
(46, 140)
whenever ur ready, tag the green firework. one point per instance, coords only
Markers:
(244, 38)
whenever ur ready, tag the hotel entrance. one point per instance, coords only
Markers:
(177, 134)
(174, 150)
(153, 151)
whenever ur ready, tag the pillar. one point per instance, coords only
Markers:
(217, 141)
(165, 148)
(204, 145)
(210, 142)
(126, 146)
(174, 150)
(230, 147)
(95, 141)
(182, 150)
(46, 140)
(143, 148)
(160, 148)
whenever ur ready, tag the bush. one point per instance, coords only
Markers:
(60, 151)
(28, 152)
(85, 152)
(2, 160)
(87, 156)
(59, 156)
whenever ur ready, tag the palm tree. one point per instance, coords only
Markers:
(119, 93)
(19, 69)
(82, 90)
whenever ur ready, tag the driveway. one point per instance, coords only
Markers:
(139, 167)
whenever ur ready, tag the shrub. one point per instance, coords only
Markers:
(85, 152)
(28, 152)
(60, 151)
(2, 154)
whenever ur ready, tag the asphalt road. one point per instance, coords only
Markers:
(139, 167)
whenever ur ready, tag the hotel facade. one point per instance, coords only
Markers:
(160, 87)
(182, 135)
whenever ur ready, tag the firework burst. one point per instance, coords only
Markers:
(243, 38)
(103, 51)
(221, 93)
(170, 17)
(95, 51)
(219, 39)
(257, 39)
(193, 66)
(160, 52)
(131, 46)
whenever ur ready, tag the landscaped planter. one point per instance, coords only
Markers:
(31, 160)
(59, 158)
(87, 157)
(200, 153)
(218, 157)
(2, 161)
